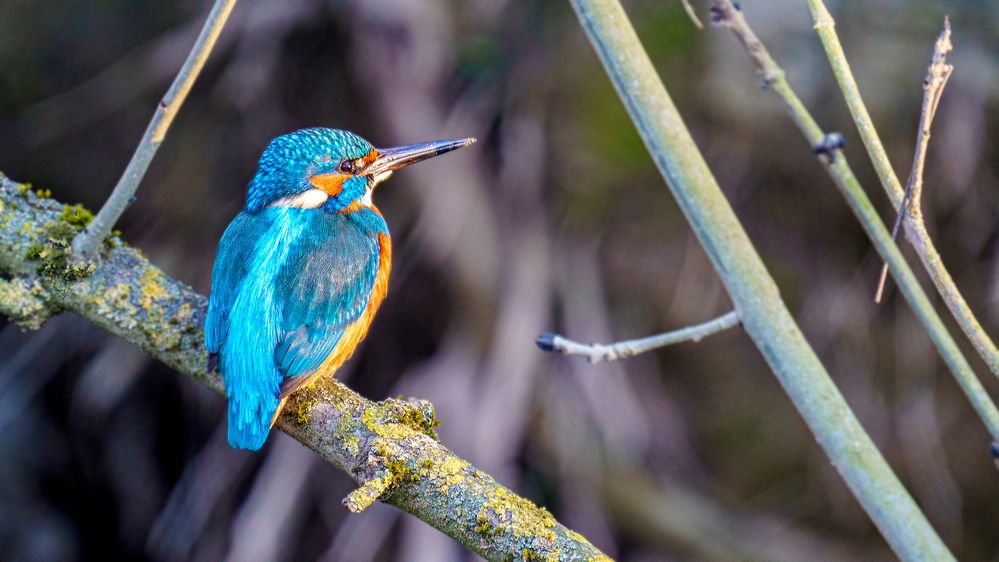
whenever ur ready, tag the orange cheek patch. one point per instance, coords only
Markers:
(332, 184)
(372, 155)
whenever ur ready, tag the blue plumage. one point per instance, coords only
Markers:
(325, 286)
(283, 302)
(304, 263)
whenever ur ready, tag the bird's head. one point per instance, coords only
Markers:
(330, 168)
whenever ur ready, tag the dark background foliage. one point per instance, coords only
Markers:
(556, 219)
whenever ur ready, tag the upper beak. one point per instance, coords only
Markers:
(400, 156)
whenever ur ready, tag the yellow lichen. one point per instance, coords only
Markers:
(76, 215)
(382, 428)
(505, 511)
(115, 301)
(422, 418)
(352, 445)
(448, 473)
(401, 471)
(53, 254)
(20, 297)
(184, 313)
(485, 527)
(152, 288)
(575, 536)
(303, 411)
(367, 494)
(418, 416)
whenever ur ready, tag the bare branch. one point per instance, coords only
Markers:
(933, 85)
(915, 231)
(87, 242)
(629, 348)
(692, 14)
(752, 289)
(725, 14)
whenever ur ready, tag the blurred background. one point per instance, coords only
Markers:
(556, 219)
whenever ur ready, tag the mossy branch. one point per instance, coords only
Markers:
(915, 227)
(390, 448)
(764, 315)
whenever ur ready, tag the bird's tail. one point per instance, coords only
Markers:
(250, 419)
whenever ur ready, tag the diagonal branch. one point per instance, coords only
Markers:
(692, 14)
(933, 85)
(87, 242)
(389, 447)
(915, 229)
(598, 352)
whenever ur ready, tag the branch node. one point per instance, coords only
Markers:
(830, 144)
(369, 492)
(719, 14)
(546, 341)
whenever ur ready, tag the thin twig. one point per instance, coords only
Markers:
(915, 228)
(692, 14)
(765, 316)
(724, 13)
(933, 85)
(86, 243)
(597, 352)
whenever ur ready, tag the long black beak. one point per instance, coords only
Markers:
(400, 156)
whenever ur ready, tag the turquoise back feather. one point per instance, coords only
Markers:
(286, 285)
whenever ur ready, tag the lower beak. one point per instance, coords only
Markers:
(401, 156)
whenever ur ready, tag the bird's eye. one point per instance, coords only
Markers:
(347, 166)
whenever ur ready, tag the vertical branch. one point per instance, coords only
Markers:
(915, 228)
(933, 85)
(86, 243)
(754, 293)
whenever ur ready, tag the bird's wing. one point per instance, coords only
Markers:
(232, 261)
(321, 291)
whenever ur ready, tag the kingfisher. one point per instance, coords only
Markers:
(301, 271)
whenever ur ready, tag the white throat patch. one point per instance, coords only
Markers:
(309, 199)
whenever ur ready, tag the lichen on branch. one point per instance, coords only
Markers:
(390, 447)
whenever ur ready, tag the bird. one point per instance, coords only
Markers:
(301, 271)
